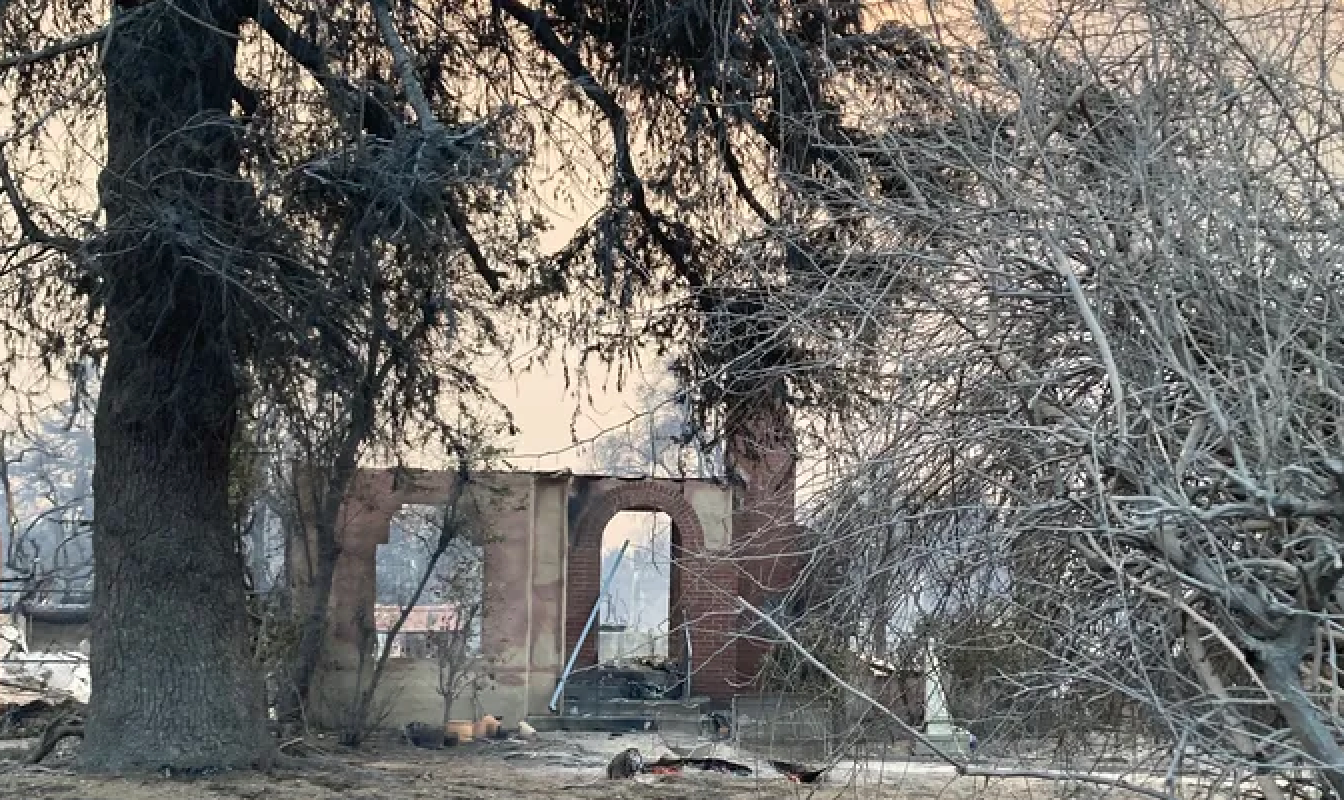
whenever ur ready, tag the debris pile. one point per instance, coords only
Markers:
(41, 694)
(629, 763)
(51, 676)
(798, 773)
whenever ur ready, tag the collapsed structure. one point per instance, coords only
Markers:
(541, 536)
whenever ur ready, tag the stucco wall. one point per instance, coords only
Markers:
(542, 536)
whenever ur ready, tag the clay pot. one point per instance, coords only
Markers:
(460, 728)
(486, 727)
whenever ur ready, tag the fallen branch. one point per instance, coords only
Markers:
(69, 724)
(962, 768)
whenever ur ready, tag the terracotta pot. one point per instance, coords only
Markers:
(461, 728)
(486, 727)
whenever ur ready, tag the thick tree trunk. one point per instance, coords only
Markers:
(174, 684)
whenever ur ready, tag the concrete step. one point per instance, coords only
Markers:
(632, 708)
(598, 694)
(593, 724)
(621, 675)
(621, 716)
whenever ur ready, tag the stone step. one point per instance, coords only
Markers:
(593, 724)
(618, 723)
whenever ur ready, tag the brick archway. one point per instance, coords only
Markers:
(696, 581)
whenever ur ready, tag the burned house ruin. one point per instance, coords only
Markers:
(541, 537)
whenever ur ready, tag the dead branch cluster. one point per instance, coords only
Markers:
(1093, 298)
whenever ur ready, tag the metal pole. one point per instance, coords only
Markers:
(592, 616)
(686, 695)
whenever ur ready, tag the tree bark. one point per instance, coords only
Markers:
(174, 684)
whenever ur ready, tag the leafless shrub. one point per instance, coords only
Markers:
(366, 706)
(460, 586)
(1093, 301)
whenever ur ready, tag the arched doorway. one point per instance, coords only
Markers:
(584, 574)
(635, 615)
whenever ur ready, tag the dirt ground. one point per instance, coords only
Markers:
(555, 766)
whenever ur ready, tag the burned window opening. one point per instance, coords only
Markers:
(445, 623)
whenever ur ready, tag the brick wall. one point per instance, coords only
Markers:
(702, 583)
(761, 454)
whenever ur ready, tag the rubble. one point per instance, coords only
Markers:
(39, 691)
(627, 764)
(21, 719)
(798, 773)
(53, 675)
(430, 737)
(58, 673)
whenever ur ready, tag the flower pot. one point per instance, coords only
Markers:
(486, 727)
(461, 728)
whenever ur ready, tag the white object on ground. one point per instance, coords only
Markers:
(60, 672)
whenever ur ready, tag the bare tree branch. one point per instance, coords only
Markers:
(374, 117)
(54, 50)
(29, 227)
(962, 767)
(401, 62)
(627, 176)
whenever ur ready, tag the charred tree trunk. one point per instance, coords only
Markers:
(174, 684)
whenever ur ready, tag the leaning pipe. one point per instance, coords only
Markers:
(592, 617)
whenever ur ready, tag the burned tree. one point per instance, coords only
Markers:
(268, 226)
(317, 205)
